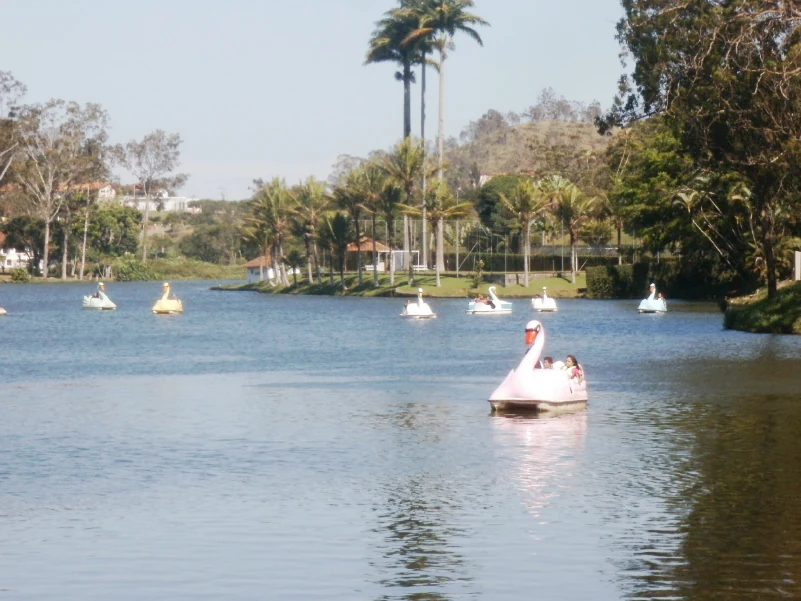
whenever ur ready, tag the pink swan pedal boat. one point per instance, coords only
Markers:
(539, 389)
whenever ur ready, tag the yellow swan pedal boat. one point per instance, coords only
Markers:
(166, 305)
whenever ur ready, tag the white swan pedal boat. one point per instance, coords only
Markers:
(544, 303)
(527, 387)
(491, 306)
(3, 311)
(99, 300)
(652, 304)
(418, 309)
(166, 305)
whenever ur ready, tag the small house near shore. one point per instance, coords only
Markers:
(260, 269)
(366, 246)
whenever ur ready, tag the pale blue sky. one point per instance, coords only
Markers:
(263, 88)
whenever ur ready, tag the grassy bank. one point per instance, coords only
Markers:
(154, 270)
(778, 315)
(452, 287)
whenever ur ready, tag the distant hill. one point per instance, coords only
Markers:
(492, 146)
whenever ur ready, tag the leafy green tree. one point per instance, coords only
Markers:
(27, 233)
(726, 77)
(217, 243)
(488, 203)
(114, 230)
(51, 143)
(11, 91)
(572, 208)
(152, 161)
(526, 202)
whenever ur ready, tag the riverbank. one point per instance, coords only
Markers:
(152, 271)
(452, 287)
(778, 315)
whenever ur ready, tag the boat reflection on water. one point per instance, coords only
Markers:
(542, 452)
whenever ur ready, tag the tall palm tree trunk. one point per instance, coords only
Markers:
(441, 130)
(424, 235)
(573, 257)
(359, 253)
(526, 253)
(307, 240)
(411, 267)
(375, 255)
(407, 251)
(407, 100)
(46, 255)
(458, 243)
(65, 250)
(316, 254)
(440, 249)
(144, 226)
(83, 245)
(390, 238)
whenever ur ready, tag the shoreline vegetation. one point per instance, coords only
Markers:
(154, 270)
(760, 314)
(452, 287)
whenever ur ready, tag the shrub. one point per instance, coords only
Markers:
(599, 283)
(131, 270)
(478, 274)
(20, 274)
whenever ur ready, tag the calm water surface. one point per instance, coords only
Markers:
(262, 447)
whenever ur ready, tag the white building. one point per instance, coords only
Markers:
(11, 258)
(163, 202)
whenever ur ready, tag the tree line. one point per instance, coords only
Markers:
(53, 155)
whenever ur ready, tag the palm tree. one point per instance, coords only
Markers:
(258, 233)
(350, 196)
(526, 202)
(335, 235)
(272, 206)
(572, 208)
(440, 205)
(389, 202)
(386, 45)
(443, 19)
(312, 201)
(371, 182)
(405, 166)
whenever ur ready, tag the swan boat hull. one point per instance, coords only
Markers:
(541, 390)
(168, 307)
(492, 306)
(100, 303)
(652, 306)
(474, 308)
(410, 315)
(547, 305)
(3, 311)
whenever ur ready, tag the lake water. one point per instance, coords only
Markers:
(271, 447)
